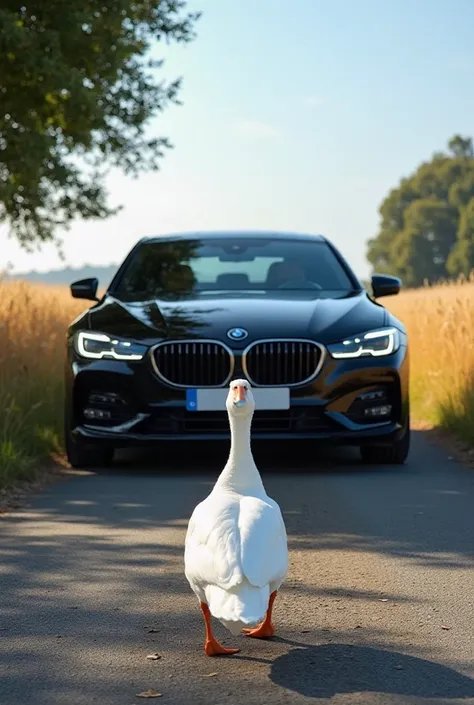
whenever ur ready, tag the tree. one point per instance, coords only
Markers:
(427, 222)
(77, 90)
(461, 258)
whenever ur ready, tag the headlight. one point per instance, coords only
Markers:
(376, 342)
(99, 345)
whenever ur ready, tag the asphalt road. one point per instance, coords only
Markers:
(378, 606)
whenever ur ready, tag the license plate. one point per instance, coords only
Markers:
(214, 399)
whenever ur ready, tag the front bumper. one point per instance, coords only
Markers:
(383, 434)
(326, 409)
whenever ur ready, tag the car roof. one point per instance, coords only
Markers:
(219, 234)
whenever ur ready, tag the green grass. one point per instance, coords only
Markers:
(457, 414)
(30, 428)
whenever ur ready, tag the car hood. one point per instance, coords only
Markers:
(301, 315)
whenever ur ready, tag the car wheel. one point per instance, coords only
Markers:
(86, 455)
(394, 454)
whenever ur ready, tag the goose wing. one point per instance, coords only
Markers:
(212, 548)
(263, 539)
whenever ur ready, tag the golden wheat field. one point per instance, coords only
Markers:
(33, 321)
(440, 324)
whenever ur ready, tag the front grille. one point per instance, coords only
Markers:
(199, 363)
(282, 362)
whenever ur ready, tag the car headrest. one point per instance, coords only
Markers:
(275, 274)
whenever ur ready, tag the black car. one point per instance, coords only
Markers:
(151, 361)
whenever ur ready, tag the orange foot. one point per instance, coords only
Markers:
(213, 648)
(265, 631)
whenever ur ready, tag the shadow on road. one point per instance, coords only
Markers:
(273, 458)
(327, 670)
(120, 532)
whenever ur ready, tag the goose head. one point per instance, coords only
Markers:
(240, 402)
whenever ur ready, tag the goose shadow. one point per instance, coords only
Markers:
(327, 670)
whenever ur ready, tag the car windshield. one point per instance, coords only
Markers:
(171, 268)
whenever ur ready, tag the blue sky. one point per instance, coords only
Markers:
(296, 116)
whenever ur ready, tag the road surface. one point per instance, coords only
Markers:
(378, 606)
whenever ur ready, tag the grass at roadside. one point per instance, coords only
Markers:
(33, 321)
(34, 318)
(440, 324)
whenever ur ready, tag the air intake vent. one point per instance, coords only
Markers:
(198, 363)
(271, 363)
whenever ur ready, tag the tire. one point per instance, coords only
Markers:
(86, 455)
(394, 454)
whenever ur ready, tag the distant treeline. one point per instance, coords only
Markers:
(69, 274)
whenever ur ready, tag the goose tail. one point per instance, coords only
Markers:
(240, 607)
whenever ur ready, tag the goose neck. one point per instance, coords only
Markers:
(240, 473)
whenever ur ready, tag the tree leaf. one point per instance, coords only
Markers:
(77, 99)
(149, 694)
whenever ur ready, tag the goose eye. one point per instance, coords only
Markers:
(246, 388)
(234, 387)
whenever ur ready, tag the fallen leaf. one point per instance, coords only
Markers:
(149, 694)
(384, 599)
(153, 657)
(305, 631)
(209, 675)
(445, 627)
(153, 631)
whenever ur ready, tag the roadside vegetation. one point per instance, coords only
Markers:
(34, 318)
(33, 321)
(440, 323)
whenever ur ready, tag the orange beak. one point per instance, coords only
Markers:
(239, 396)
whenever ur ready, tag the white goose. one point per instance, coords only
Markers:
(236, 553)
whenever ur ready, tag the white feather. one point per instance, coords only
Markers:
(236, 551)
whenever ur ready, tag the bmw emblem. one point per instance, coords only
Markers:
(237, 333)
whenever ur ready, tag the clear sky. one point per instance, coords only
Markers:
(296, 116)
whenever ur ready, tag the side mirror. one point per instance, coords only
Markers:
(85, 289)
(385, 285)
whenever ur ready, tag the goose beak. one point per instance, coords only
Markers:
(239, 396)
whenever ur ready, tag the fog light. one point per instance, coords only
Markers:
(369, 396)
(384, 410)
(97, 414)
(104, 398)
